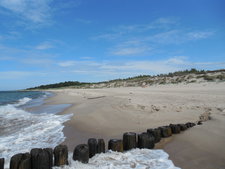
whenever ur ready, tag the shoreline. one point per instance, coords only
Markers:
(127, 105)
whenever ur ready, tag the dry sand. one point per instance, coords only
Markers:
(108, 113)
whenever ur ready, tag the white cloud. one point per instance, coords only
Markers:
(160, 23)
(119, 69)
(143, 67)
(122, 30)
(86, 58)
(105, 70)
(199, 35)
(67, 63)
(38, 61)
(178, 60)
(128, 51)
(177, 36)
(44, 46)
(165, 21)
(128, 68)
(36, 11)
(172, 36)
(108, 36)
(78, 63)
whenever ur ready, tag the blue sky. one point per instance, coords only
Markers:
(49, 41)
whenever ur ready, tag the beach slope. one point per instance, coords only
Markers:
(108, 113)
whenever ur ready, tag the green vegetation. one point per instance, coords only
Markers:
(185, 76)
(60, 85)
(186, 72)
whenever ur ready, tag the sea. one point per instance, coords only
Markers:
(26, 122)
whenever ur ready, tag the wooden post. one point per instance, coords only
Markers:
(101, 146)
(146, 141)
(2, 161)
(61, 155)
(115, 145)
(41, 158)
(20, 161)
(92, 144)
(165, 131)
(182, 127)
(129, 140)
(188, 125)
(50, 156)
(175, 128)
(169, 130)
(81, 153)
(156, 133)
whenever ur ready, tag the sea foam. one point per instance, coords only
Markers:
(136, 158)
(22, 101)
(20, 131)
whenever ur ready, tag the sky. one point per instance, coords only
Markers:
(50, 41)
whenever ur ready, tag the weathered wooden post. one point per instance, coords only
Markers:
(101, 146)
(25, 161)
(188, 125)
(50, 156)
(61, 155)
(81, 153)
(175, 128)
(2, 162)
(169, 130)
(20, 161)
(92, 144)
(41, 158)
(129, 140)
(15, 161)
(165, 131)
(145, 140)
(182, 127)
(115, 145)
(156, 133)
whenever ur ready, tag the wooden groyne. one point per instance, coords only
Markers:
(46, 158)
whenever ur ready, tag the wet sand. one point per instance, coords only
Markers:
(108, 113)
(201, 147)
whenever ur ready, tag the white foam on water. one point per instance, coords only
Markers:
(22, 101)
(20, 131)
(136, 158)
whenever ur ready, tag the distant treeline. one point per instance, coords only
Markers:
(60, 85)
(136, 78)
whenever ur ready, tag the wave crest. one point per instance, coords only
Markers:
(22, 101)
(20, 131)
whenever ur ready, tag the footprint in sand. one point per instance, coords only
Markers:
(141, 107)
(155, 108)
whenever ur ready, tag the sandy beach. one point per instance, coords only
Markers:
(109, 112)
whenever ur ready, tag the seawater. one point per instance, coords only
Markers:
(26, 123)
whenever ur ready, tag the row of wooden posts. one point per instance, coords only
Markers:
(43, 158)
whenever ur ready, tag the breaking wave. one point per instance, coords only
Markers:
(20, 131)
